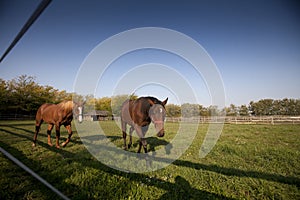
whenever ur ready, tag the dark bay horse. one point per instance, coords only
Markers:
(138, 114)
(57, 115)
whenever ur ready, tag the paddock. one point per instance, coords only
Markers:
(249, 161)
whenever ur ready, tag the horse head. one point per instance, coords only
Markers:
(157, 113)
(78, 110)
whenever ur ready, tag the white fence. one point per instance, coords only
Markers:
(240, 120)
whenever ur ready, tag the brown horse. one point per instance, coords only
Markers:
(139, 114)
(57, 115)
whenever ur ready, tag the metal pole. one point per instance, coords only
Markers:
(30, 21)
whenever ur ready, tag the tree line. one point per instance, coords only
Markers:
(23, 95)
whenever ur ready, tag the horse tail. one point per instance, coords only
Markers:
(38, 122)
(38, 117)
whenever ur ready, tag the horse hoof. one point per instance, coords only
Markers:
(50, 144)
(129, 146)
(58, 147)
(63, 144)
(33, 145)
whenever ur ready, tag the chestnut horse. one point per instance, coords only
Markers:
(57, 115)
(138, 114)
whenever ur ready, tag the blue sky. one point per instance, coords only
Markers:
(254, 44)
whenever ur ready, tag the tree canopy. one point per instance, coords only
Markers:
(23, 95)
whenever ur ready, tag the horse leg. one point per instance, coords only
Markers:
(123, 124)
(49, 129)
(143, 139)
(130, 136)
(57, 129)
(37, 129)
(140, 146)
(144, 143)
(139, 132)
(68, 127)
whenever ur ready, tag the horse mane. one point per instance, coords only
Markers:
(155, 100)
(66, 105)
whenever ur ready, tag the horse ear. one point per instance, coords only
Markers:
(165, 101)
(151, 102)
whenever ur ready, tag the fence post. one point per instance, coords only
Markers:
(272, 121)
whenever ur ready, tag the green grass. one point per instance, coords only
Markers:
(248, 162)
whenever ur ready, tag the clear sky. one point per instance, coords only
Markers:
(254, 44)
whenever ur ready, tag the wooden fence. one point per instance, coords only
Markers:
(240, 120)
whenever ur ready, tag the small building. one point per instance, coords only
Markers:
(97, 115)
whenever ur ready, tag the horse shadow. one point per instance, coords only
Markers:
(153, 142)
(182, 190)
(63, 135)
(114, 138)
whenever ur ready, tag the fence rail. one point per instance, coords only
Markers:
(240, 120)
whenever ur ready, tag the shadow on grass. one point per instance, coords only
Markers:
(214, 168)
(153, 142)
(170, 188)
(20, 123)
(63, 137)
(21, 184)
(183, 190)
(180, 189)
(240, 173)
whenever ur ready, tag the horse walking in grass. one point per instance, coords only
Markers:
(57, 115)
(138, 114)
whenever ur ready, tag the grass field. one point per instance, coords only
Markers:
(248, 162)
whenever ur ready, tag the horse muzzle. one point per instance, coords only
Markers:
(159, 126)
(161, 133)
(80, 118)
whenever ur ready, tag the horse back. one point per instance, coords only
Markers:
(136, 112)
(47, 112)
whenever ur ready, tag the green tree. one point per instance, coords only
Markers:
(189, 110)
(118, 100)
(232, 110)
(262, 107)
(213, 111)
(104, 104)
(203, 111)
(243, 110)
(3, 96)
(173, 110)
(23, 97)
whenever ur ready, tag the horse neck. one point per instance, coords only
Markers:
(66, 108)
